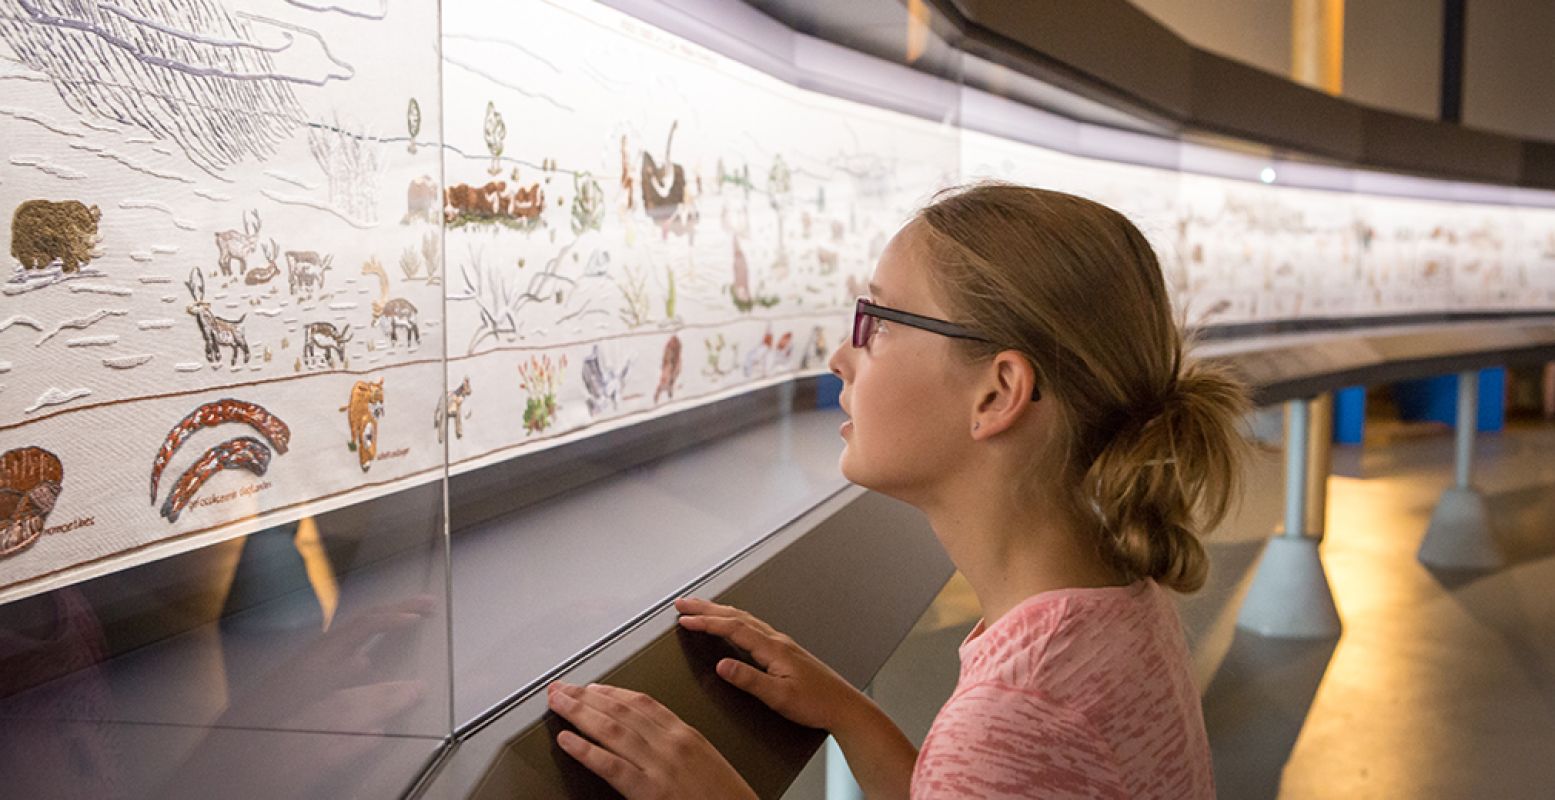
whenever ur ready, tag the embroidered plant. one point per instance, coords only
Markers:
(410, 263)
(723, 357)
(540, 378)
(431, 256)
(670, 296)
(634, 290)
(588, 203)
(498, 297)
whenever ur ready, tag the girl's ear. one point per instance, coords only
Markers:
(1003, 394)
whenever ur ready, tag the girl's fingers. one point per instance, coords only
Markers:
(752, 681)
(621, 774)
(645, 706)
(737, 632)
(698, 606)
(608, 722)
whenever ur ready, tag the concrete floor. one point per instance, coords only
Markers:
(1442, 685)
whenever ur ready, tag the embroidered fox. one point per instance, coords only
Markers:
(363, 412)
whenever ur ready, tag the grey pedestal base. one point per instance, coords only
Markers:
(1290, 598)
(1460, 534)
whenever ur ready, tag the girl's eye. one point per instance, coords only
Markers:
(874, 332)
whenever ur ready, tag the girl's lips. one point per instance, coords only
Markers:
(846, 426)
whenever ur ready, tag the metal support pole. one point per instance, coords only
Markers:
(1460, 535)
(1320, 461)
(1468, 426)
(1298, 432)
(1289, 597)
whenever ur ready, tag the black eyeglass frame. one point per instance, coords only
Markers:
(863, 330)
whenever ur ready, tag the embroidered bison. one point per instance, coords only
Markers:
(43, 231)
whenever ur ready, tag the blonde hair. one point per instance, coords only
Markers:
(1151, 447)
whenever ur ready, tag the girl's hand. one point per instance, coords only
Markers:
(790, 680)
(640, 747)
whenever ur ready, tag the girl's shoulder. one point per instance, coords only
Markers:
(1057, 636)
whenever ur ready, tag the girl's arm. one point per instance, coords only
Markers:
(878, 753)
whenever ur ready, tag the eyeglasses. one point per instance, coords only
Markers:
(865, 313)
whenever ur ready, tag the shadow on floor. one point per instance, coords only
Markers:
(1256, 707)
(1524, 521)
(1499, 600)
(1524, 525)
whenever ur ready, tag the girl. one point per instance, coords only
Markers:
(1066, 456)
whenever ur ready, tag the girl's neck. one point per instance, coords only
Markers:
(1011, 548)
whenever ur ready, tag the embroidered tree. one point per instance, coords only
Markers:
(496, 131)
(780, 188)
(413, 122)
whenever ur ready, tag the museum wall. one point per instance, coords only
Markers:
(1393, 51)
(1509, 61)
(1255, 32)
(1393, 56)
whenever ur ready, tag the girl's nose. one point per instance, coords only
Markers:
(838, 358)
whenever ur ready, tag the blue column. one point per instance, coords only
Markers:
(1436, 399)
(1492, 399)
(828, 391)
(1350, 415)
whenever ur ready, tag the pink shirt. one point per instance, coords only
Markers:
(1073, 693)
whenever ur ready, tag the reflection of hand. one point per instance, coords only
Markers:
(640, 747)
(786, 677)
(336, 684)
(336, 667)
(348, 651)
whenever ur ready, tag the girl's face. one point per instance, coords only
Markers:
(907, 394)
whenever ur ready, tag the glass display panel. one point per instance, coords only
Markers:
(222, 548)
(637, 226)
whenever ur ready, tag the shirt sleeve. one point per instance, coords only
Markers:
(996, 741)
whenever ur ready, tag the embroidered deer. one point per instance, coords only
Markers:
(237, 245)
(323, 340)
(395, 314)
(305, 270)
(218, 332)
(266, 273)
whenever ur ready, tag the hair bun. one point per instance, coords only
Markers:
(1170, 475)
